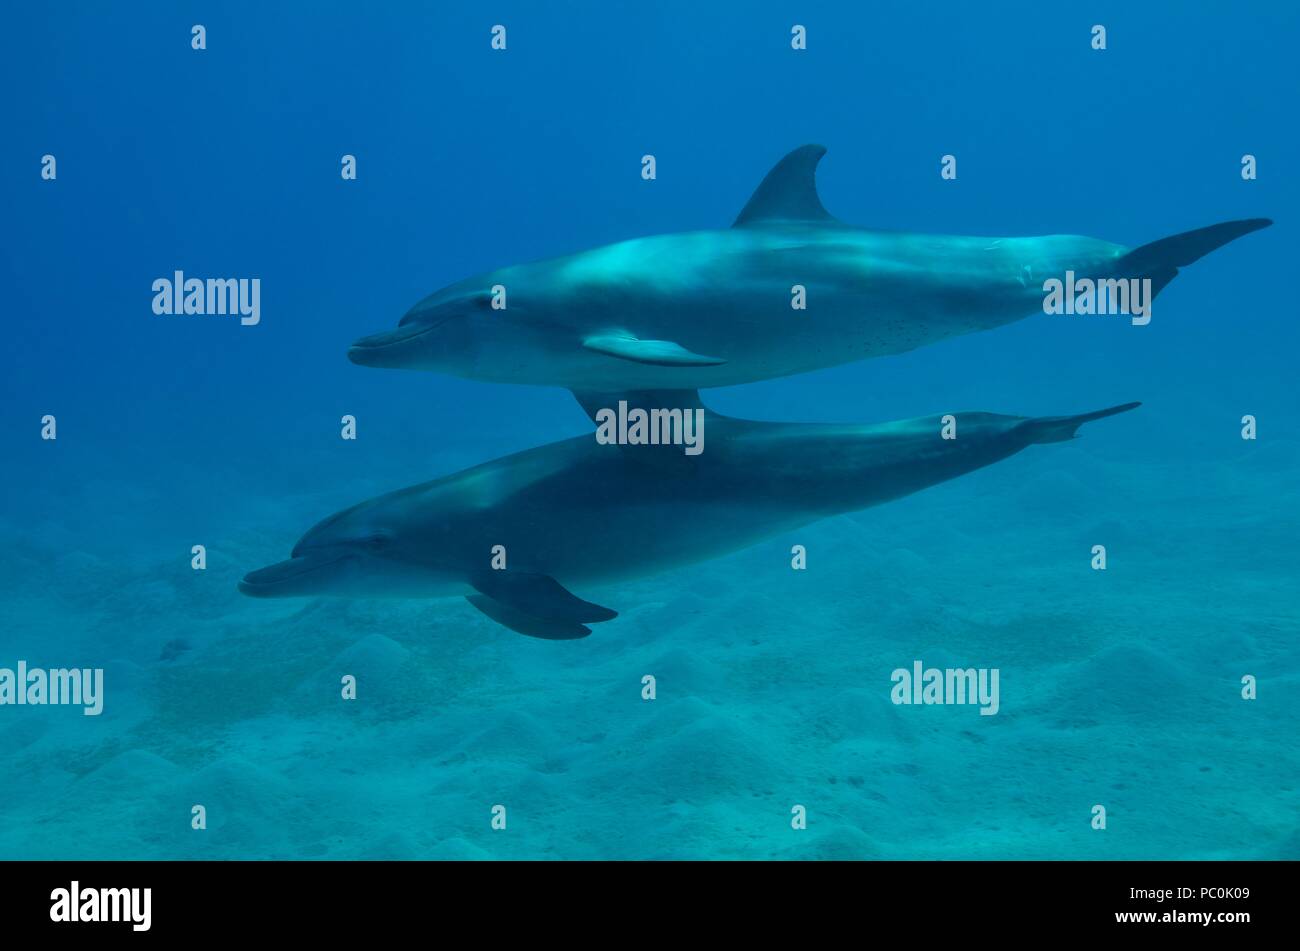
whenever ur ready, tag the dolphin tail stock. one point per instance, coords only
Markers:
(1041, 429)
(535, 605)
(1160, 260)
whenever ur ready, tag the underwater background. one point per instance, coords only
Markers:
(1119, 687)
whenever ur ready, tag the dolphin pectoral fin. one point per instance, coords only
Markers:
(521, 623)
(534, 604)
(663, 353)
(538, 596)
(789, 192)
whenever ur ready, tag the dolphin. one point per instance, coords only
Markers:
(713, 308)
(577, 513)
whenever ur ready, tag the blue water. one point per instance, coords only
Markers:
(1119, 688)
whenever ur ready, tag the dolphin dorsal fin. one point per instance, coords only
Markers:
(789, 192)
(593, 401)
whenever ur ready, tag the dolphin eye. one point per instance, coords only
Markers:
(375, 542)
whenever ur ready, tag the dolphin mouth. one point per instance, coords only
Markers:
(379, 350)
(288, 578)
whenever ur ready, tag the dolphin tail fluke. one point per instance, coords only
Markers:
(1160, 260)
(1061, 428)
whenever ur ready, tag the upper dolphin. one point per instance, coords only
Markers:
(713, 308)
(577, 513)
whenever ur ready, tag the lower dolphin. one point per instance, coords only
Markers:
(577, 513)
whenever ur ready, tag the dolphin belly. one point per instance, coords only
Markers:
(648, 539)
(765, 302)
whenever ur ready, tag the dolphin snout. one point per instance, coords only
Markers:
(392, 348)
(304, 574)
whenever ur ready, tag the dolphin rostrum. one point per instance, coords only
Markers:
(714, 308)
(513, 535)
